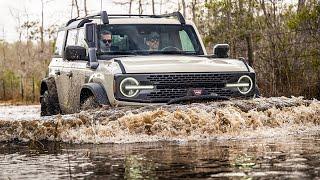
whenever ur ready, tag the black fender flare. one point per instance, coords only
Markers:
(98, 92)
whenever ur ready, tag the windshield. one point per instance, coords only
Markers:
(148, 39)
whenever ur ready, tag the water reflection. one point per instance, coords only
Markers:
(285, 157)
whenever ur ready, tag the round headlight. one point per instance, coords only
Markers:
(129, 82)
(245, 80)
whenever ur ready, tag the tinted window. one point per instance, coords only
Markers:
(59, 43)
(145, 39)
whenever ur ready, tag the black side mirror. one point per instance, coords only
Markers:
(91, 39)
(73, 53)
(221, 50)
(90, 31)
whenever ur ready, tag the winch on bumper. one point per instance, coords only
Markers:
(178, 87)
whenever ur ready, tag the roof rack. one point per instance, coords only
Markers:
(177, 15)
(105, 17)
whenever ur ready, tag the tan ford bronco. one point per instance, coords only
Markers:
(120, 60)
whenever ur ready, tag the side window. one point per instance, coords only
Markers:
(185, 41)
(72, 37)
(59, 43)
(81, 42)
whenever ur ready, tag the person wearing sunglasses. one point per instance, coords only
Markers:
(152, 41)
(106, 42)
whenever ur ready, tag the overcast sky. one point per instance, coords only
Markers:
(56, 12)
(59, 12)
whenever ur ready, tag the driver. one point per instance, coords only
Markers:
(106, 42)
(153, 42)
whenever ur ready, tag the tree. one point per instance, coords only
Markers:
(194, 10)
(183, 7)
(153, 8)
(140, 6)
(43, 3)
(121, 2)
(85, 7)
(3, 48)
(75, 3)
(41, 27)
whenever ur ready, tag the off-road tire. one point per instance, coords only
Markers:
(89, 103)
(49, 105)
(49, 99)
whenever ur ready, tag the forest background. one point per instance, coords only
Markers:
(280, 39)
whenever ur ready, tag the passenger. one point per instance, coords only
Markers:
(106, 42)
(153, 42)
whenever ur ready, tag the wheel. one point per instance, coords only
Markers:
(49, 104)
(89, 103)
(49, 99)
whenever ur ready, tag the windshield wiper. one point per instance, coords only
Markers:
(114, 53)
(119, 53)
(173, 52)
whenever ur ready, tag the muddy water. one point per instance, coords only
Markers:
(267, 158)
(260, 138)
(10, 112)
(263, 117)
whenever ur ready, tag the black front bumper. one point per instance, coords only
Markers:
(169, 86)
(197, 99)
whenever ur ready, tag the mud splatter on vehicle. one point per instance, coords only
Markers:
(126, 60)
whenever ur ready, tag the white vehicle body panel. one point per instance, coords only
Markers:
(163, 63)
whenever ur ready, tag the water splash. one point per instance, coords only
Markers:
(263, 117)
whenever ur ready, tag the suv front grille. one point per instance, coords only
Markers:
(170, 86)
(189, 78)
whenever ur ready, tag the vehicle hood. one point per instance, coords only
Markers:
(170, 63)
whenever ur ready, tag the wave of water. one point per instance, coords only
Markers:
(263, 117)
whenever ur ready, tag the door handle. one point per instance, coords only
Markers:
(69, 74)
(57, 72)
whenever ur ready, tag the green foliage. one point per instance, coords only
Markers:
(22, 70)
(306, 18)
(285, 40)
(9, 75)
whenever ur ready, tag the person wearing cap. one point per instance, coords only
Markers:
(153, 42)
